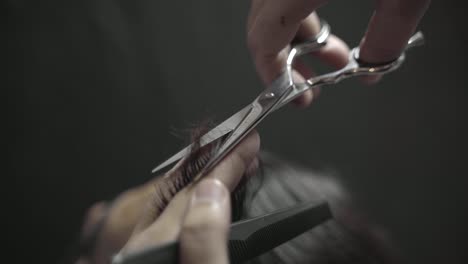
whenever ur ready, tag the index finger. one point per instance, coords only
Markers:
(272, 26)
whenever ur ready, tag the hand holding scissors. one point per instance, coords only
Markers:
(273, 24)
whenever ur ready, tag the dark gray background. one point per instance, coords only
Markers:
(95, 90)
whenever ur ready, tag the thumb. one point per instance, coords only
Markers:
(203, 237)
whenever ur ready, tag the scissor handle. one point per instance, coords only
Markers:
(310, 45)
(358, 66)
(355, 66)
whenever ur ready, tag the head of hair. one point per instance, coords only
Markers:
(348, 238)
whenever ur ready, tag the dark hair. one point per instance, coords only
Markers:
(348, 238)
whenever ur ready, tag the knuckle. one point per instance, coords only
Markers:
(253, 43)
(202, 225)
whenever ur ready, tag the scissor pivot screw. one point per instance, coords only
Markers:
(269, 95)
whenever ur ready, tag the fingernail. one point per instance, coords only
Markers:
(210, 191)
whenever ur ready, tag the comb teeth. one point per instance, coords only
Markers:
(238, 251)
(274, 235)
(257, 236)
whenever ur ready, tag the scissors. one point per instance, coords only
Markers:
(282, 91)
(252, 237)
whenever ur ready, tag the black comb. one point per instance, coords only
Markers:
(248, 238)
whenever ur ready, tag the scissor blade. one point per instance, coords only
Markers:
(222, 129)
(244, 127)
(264, 104)
(251, 120)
